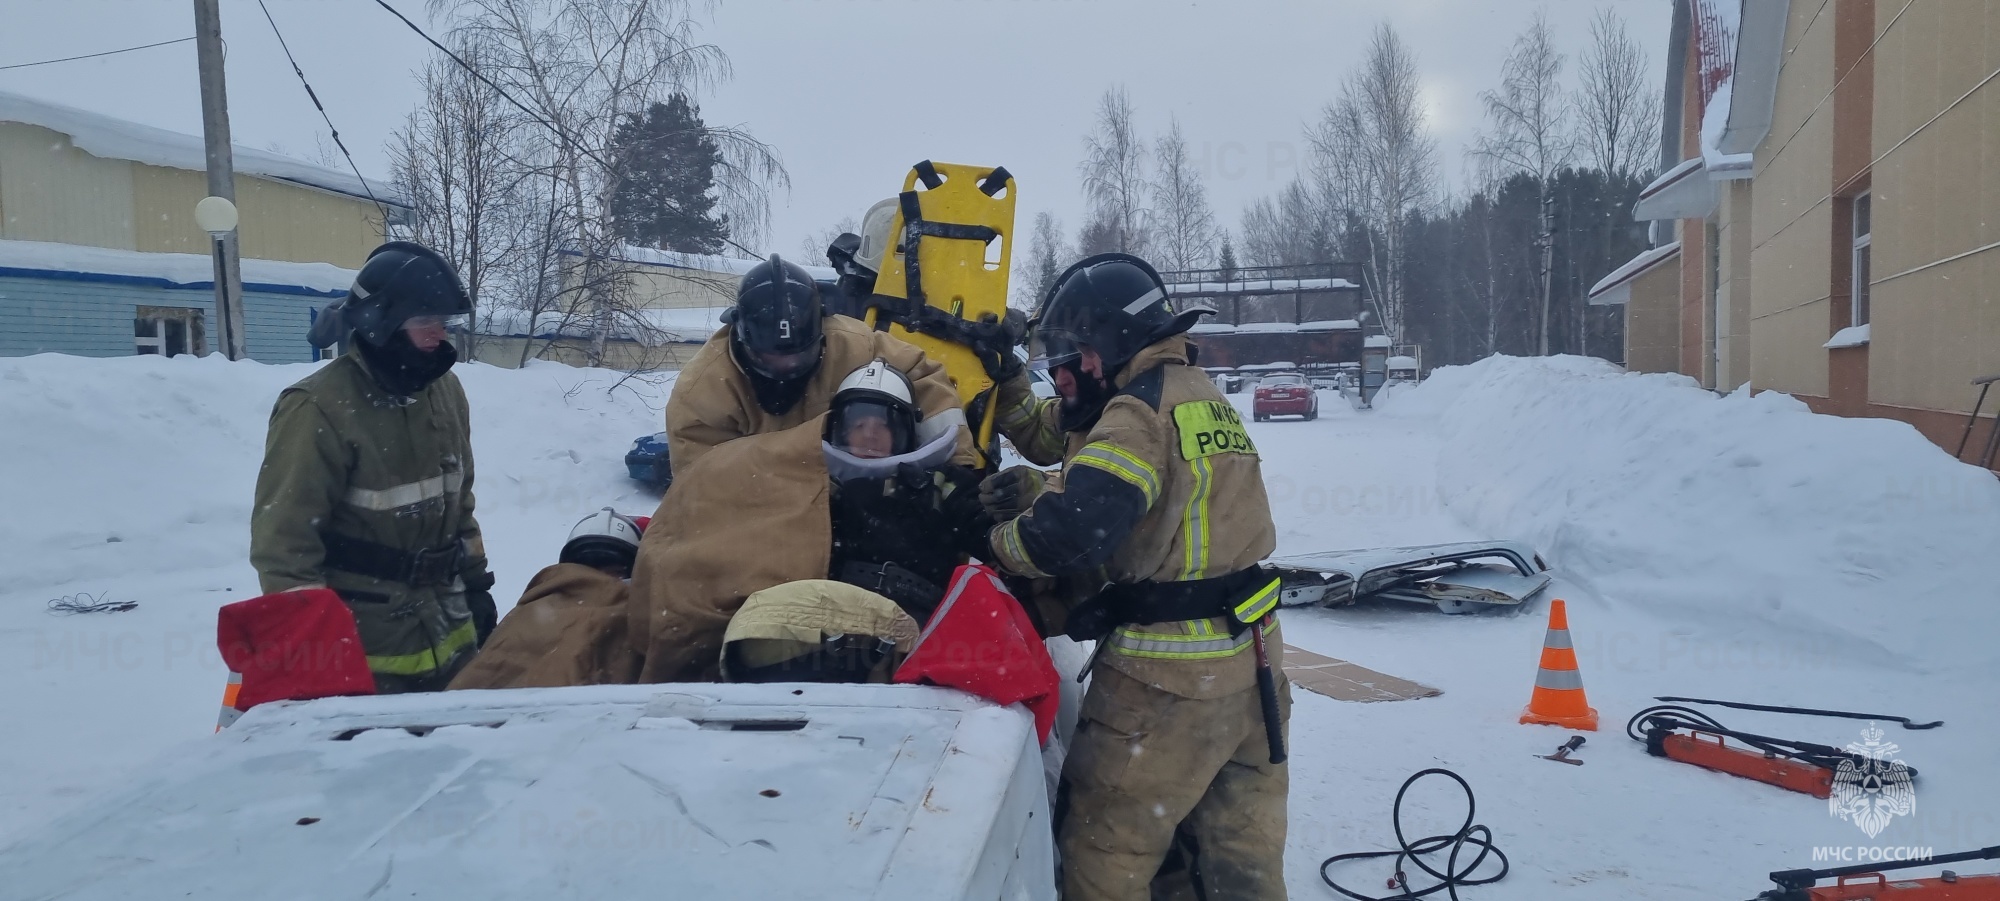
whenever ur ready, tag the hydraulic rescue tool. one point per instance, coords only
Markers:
(1867, 882)
(1690, 736)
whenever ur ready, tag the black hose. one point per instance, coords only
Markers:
(1451, 877)
(1666, 718)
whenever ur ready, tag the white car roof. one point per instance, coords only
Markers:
(691, 791)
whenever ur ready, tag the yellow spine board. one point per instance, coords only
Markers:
(955, 274)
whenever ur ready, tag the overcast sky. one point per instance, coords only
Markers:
(851, 92)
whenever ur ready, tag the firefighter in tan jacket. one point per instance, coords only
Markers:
(777, 361)
(1160, 496)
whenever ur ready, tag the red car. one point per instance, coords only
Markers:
(1285, 394)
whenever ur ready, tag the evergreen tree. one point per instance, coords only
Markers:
(666, 171)
(1227, 262)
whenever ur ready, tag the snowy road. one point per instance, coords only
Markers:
(141, 480)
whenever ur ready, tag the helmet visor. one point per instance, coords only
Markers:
(784, 367)
(870, 429)
(451, 323)
(1052, 347)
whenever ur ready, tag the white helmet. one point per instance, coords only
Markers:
(875, 391)
(603, 539)
(875, 237)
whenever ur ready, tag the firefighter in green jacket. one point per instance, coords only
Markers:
(366, 486)
(1159, 516)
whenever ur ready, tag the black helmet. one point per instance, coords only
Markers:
(1114, 303)
(775, 322)
(399, 282)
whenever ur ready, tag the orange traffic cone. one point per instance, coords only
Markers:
(1558, 699)
(229, 711)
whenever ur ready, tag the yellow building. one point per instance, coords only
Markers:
(100, 254)
(69, 176)
(668, 304)
(1825, 222)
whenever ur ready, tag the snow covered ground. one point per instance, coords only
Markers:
(1731, 547)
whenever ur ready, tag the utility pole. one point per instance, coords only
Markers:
(221, 173)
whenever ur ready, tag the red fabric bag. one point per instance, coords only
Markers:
(293, 646)
(981, 641)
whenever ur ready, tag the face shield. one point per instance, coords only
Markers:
(452, 323)
(783, 367)
(870, 429)
(1049, 348)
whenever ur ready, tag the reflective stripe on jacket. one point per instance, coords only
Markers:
(1165, 486)
(344, 457)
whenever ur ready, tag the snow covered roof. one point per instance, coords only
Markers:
(1262, 286)
(1851, 336)
(1375, 341)
(1402, 362)
(650, 327)
(1683, 192)
(41, 259)
(1275, 328)
(1616, 288)
(674, 259)
(1760, 52)
(117, 139)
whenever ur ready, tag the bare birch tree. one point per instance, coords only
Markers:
(582, 67)
(1037, 269)
(1114, 174)
(812, 248)
(1373, 153)
(448, 157)
(1618, 113)
(1529, 115)
(1184, 226)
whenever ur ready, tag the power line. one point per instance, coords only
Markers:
(67, 59)
(337, 142)
(468, 67)
(551, 126)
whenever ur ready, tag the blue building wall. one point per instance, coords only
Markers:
(90, 314)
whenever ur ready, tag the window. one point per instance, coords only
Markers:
(167, 331)
(1863, 237)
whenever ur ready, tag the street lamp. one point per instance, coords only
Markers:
(217, 216)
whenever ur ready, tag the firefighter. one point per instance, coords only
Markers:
(1160, 510)
(570, 625)
(366, 486)
(903, 515)
(777, 362)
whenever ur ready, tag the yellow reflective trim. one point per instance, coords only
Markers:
(1017, 556)
(1263, 602)
(1155, 646)
(1194, 524)
(1120, 463)
(426, 660)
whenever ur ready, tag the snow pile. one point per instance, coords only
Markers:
(138, 466)
(1856, 537)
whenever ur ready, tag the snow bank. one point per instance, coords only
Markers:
(1857, 536)
(134, 467)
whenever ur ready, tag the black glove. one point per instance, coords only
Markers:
(993, 339)
(1011, 491)
(963, 512)
(479, 599)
